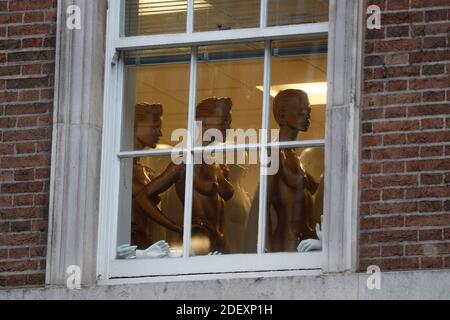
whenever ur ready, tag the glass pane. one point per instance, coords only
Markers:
(234, 73)
(149, 221)
(299, 88)
(144, 17)
(156, 98)
(222, 202)
(285, 12)
(295, 201)
(214, 15)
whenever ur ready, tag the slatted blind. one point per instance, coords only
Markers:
(226, 14)
(285, 12)
(155, 17)
(145, 17)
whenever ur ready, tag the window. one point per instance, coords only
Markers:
(252, 194)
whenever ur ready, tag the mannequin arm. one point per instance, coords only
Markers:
(157, 186)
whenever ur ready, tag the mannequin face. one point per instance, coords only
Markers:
(148, 131)
(219, 122)
(298, 115)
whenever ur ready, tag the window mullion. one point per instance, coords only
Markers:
(264, 143)
(190, 156)
(190, 16)
(264, 12)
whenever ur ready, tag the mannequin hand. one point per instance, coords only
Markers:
(319, 231)
(126, 251)
(158, 250)
(310, 245)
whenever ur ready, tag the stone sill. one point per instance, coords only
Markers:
(429, 284)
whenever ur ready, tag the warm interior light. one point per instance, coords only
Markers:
(152, 7)
(317, 91)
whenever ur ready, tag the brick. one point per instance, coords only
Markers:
(370, 252)
(25, 5)
(369, 223)
(9, 266)
(394, 208)
(436, 15)
(396, 72)
(430, 179)
(396, 18)
(23, 213)
(430, 206)
(424, 220)
(23, 200)
(394, 180)
(429, 83)
(370, 195)
(399, 85)
(393, 236)
(428, 192)
(396, 153)
(431, 262)
(430, 235)
(397, 59)
(25, 187)
(25, 162)
(428, 110)
(397, 31)
(393, 222)
(393, 194)
(429, 137)
(426, 165)
(392, 251)
(433, 96)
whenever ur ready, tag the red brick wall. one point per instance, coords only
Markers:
(27, 49)
(405, 179)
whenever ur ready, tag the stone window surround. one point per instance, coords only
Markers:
(77, 140)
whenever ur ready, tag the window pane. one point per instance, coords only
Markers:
(299, 88)
(213, 15)
(150, 189)
(155, 17)
(284, 12)
(223, 199)
(156, 97)
(234, 72)
(295, 200)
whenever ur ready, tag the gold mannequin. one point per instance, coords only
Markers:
(211, 187)
(287, 194)
(147, 132)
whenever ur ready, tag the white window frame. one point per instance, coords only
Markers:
(78, 228)
(109, 203)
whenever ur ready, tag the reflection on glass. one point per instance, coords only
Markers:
(285, 12)
(214, 15)
(301, 65)
(234, 71)
(145, 17)
(155, 77)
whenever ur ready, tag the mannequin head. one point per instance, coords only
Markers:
(215, 113)
(147, 127)
(292, 110)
